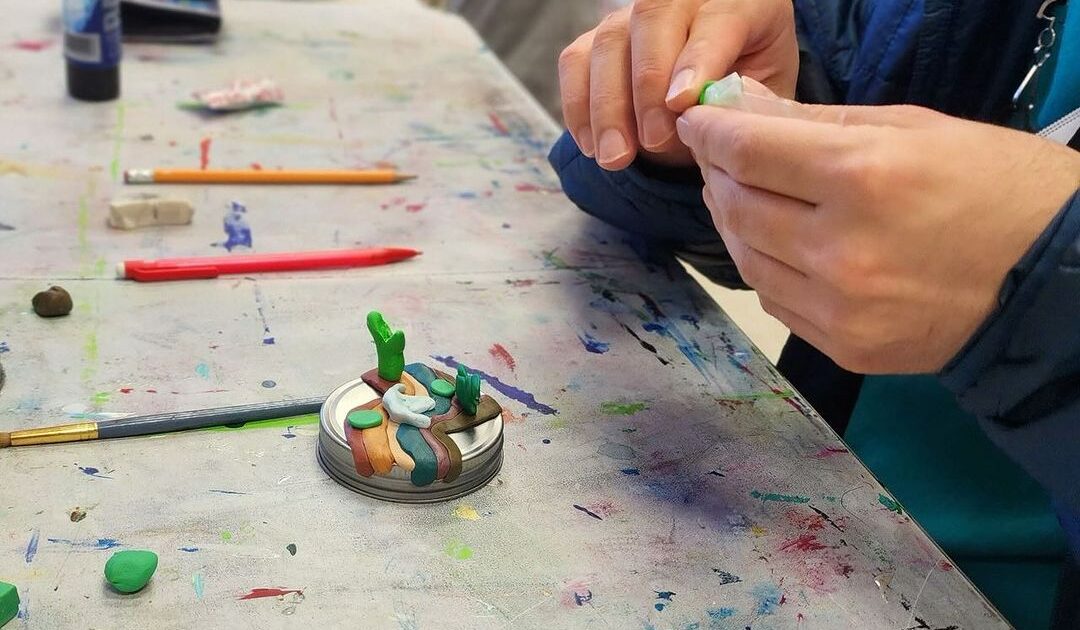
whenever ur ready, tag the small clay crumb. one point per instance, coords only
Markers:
(55, 302)
(291, 547)
(77, 514)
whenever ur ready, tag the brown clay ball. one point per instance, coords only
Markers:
(54, 302)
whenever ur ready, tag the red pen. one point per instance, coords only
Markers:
(198, 268)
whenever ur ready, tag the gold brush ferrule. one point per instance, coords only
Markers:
(54, 435)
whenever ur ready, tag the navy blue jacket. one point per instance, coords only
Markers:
(1020, 373)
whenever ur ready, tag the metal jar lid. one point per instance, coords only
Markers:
(481, 454)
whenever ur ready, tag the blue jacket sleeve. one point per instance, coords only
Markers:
(1020, 372)
(662, 205)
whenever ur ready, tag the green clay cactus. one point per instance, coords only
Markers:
(389, 345)
(467, 390)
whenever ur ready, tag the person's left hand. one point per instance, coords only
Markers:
(881, 235)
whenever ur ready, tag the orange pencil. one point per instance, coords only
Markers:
(251, 176)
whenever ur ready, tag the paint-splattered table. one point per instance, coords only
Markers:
(658, 472)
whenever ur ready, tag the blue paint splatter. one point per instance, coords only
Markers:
(631, 471)
(4, 347)
(268, 384)
(716, 614)
(100, 543)
(768, 596)
(237, 230)
(203, 370)
(582, 598)
(268, 338)
(189, 549)
(197, 582)
(31, 547)
(467, 194)
(665, 596)
(288, 434)
(227, 492)
(593, 345)
(523, 397)
(93, 472)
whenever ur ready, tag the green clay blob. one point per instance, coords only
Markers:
(9, 602)
(364, 418)
(128, 571)
(467, 389)
(440, 387)
(389, 345)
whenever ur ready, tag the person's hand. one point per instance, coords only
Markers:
(624, 82)
(881, 235)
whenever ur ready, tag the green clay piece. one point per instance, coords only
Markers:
(389, 345)
(9, 602)
(726, 92)
(467, 389)
(128, 571)
(440, 387)
(364, 418)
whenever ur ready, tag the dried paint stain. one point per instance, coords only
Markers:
(458, 550)
(592, 344)
(466, 512)
(613, 408)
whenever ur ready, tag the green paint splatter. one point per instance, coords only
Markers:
(276, 423)
(612, 408)
(118, 141)
(783, 498)
(226, 536)
(752, 396)
(90, 346)
(458, 550)
(557, 423)
(890, 504)
(555, 261)
(100, 398)
(99, 266)
(83, 220)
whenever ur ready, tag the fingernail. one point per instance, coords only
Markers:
(612, 146)
(657, 128)
(682, 126)
(682, 82)
(585, 141)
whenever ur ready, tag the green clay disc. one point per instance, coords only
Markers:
(364, 418)
(129, 571)
(440, 387)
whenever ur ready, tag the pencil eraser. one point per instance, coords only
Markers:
(121, 271)
(149, 210)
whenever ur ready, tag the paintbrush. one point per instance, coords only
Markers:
(161, 423)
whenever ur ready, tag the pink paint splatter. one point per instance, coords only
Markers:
(32, 45)
(829, 451)
(415, 207)
(809, 522)
(498, 124)
(603, 508)
(255, 166)
(259, 593)
(502, 355)
(945, 566)
(521, 284)
(575, 593)
(527, 187)
(204, 153)
(806, 542)
(126, 390)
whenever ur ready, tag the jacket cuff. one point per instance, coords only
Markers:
(1024, 361)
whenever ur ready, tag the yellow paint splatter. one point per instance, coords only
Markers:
(467, 512)
(757, 530)
(13, 168)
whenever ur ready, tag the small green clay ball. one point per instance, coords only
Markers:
(9, 602)
(128, 571)
(440, 387)
(364, 418)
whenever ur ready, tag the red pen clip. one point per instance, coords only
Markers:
(141, 272)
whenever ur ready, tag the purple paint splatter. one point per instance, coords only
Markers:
(93, 472)
(31, 547)
(523, 397)
(188, 549)
(592, 344)
(237, 230)
(260, 308)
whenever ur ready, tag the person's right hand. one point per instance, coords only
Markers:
(624, 82)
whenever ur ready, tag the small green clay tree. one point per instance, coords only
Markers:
(467, 390)
(389, 345)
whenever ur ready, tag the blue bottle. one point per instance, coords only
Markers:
(92, 49)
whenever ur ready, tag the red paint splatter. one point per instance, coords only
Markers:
(829, 451)
(521, 284)
(527, 187)
(501, 354)
(204, 153)
(255, 166)
(414, 207)
(845, 569)
(945, 566)
(172, 143)
(151, 391)
(509, 417)
(799, 617)
(806, 542)
(498, 124)
(126, 390)
(603, 508)
(809, 522)
(32, 45)
(258, 593)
